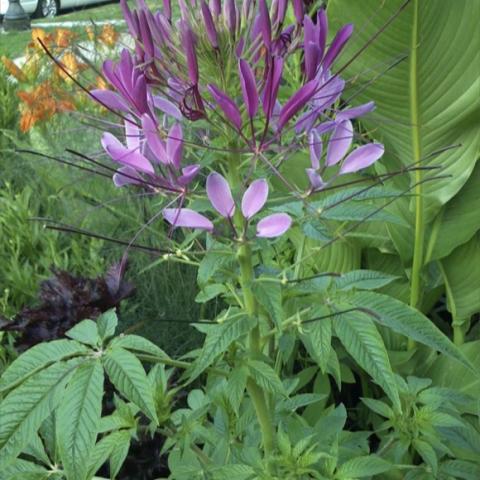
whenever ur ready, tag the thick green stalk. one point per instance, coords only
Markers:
(256, 393)
(244, 256)
(418, 253)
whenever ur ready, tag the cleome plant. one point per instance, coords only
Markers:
(237, 120)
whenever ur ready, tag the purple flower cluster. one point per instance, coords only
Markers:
(226, 63)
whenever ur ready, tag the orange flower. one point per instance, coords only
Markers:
(63, 37)
(43, 36)
(101, 84)
(108, 35)
(13, 69)
(72, 65)
(90, 33)
(41, 104)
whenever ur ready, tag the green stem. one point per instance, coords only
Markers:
(458, 334)
(257, 395)
(244, 256)
(415, 281)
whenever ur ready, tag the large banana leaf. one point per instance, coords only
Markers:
(427, 102)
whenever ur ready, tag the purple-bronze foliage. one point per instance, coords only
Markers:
(217, 65)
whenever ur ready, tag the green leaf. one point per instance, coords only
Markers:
(427, 453)
(269, 296)
(423, 104)
(364, 280)
(292, 404)
(363, 342)
(217, 257)
(461, 272)
(210, 291)
(317, 338)
(85, 332)
(446, 372)
(38, 357)
(363, 467)
(362, 212)
(127, 374)
(135, 343)
(265, 377)
(23, 470)
(234, 472)
(105, 448)
(458, 220)
(24, 409)
(460, 469)
(118, 455)
(219, 338)
(237, 382)
(78, 418)
(378, 407)
(407, 321)
(107, 324)
(36, 449)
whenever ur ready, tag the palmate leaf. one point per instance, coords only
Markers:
(407, 321)
(37, 358)
(265, 377)
(364, 280)
(21, 469)
(425, 103)
(78, 418)
(363, 342)
(105, 448)
(363, 467)
(127, 374)
(138, 344)
(24, 409)
(219, 338)
(317, 338)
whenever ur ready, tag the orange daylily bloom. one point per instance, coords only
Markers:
(63, 37)
(43, 36)
(101, 84)
(41, 104)
(109, 36)
(13, 69)
(72, 65)
(90, 33)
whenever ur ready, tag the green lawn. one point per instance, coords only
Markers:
(13, 44)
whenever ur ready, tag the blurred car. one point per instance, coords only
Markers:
(46, 8)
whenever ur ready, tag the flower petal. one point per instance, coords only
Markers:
(132, 134)
(121, 154)
(220, 195)
(249, 87)
(339, 142)
(355, 112)
(228, 106)
(175, 145)
(296, 102)
(209, 24)
(315, 149)
(341, 38)
(254, 198)
(273, 225)
(184, 217)
(166, 106)
(362, 157)
(188, 174)
(272, 84)
(316, 181)
(110, 99)
(126, 176)
(265, 25)
(154, 142)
